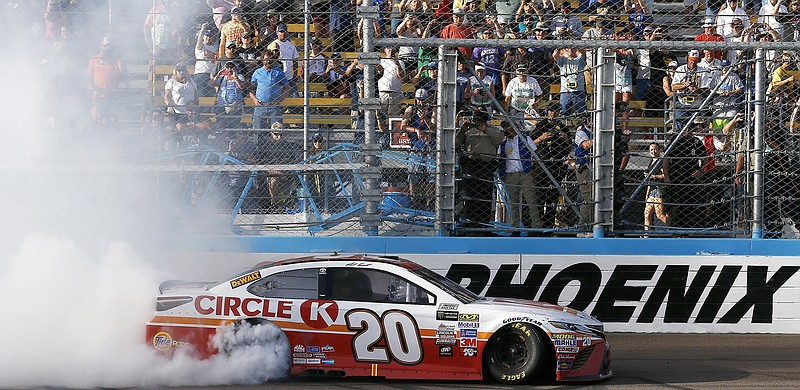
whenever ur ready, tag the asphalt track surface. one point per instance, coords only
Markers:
(642, 361)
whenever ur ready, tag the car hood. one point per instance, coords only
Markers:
(544, 309)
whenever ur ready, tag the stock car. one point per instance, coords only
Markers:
(387, 317)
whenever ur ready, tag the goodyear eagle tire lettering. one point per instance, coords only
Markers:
(516, 354)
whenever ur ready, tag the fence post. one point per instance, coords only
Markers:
(371, 174)
(604, 142)
(758, 147)
(445, 142)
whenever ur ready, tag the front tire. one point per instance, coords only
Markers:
(517, 354)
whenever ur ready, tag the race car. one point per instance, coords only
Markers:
(384, 316)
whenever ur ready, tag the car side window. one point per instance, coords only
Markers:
(369, 285)
(296, 284)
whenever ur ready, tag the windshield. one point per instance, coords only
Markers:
(449, 286)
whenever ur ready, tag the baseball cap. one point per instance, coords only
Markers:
(106, 41)
(421, 94)
(672, 64)
(274, 46)
(737, 21)
(479, 66)
(698, 120)
(231, 44)
(247, 34)
(458, 11)
(180, 66)
(542, 26)
(554, 106)
(693, 54)
(281, 27)
(317, 137)
(336, 54)
(725, 63)
(433, 65)
(649, 29)
(708, 23)
(236, 10)
(522, 67)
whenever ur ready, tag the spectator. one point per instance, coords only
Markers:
(458, 30)
(513, 59)
(161, 30)
(520, 91)
(737, 35)
(490, 57)
(231, 55)
(553, 147)
(57, 14)
(390, 83)
(276, 150)
(205, 54)
(104, 72)
(230, 96)
(639, 16)
(654, 195)
(250, 52)
(270, 83)
(319, 186)
(730, 11)
(791, 26)
(462, 84)
(643, 68)
(685, 170)
(528, 10)
(774, 14)
(232, 31)
(479, 89)
(427, 81)
(218, 10)
(582, 148)
(268, 33)
(661, 60)
(782, 88)
(516, 171)
(604, 9)
(342, 22)
(565, 24)
(288, 56)
(540, 59)
(419, 125)
(714, 204)
(317, 64)
(410, 27)
(623, 74)
(338, 80)
(476, 144)
(662, 98)
(180, 96)
(709, 63)
(686, 83)
(710, 35)
(571, 64)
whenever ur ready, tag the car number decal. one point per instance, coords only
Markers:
(396, 328)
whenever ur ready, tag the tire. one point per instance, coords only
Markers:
(518, 354)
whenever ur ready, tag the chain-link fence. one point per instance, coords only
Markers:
(262, 111)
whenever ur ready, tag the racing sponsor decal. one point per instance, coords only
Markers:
(564, 340)
(446, 351)
(731, 293)
(251, 277)
(452, 341)
(163, 341)
(328, 361)
(522, 319)
(443, 315)
(469, 352)
(328, 348)
(394, 336)
(236, 306)
(564, 364)
(469, 325)
(299, 348)
(565, 356)
(446, 334)
(469, 317)
(468, 343)
(313, 349)
(302, 355)
(448, 306)
(319, 314)
(469, 333)
(567, 349)
(313, 361)
(298, 361)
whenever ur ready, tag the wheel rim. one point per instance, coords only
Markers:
(512, 351)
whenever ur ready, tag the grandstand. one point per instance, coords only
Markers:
(390, 164)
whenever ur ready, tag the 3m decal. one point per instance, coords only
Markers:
(239, 282)
(394, 336)
(319, 314)
(468, 343)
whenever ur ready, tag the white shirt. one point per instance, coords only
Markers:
(726, 16)
(521, 92)
(182, 93)
(203, 65)
(511, 153)
(288, 55)
(390, 81)
(316, 64)
(765, 16)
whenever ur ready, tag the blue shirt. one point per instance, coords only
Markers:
(268, 83)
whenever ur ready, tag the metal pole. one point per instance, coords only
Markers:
(445, 142)
(758, 147)
(603, 167)
(306, 78)
(369, 103)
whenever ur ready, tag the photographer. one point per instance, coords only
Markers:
(686, 83)
(477, 144)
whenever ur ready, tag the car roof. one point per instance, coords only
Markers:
(394, 260)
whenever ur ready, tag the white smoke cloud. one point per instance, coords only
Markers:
(82, 238)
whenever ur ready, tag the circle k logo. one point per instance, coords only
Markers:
(319, 314)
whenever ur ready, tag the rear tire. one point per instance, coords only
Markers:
(517, 354)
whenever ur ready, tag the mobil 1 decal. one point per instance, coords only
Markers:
(394, 336)
(668, 292)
